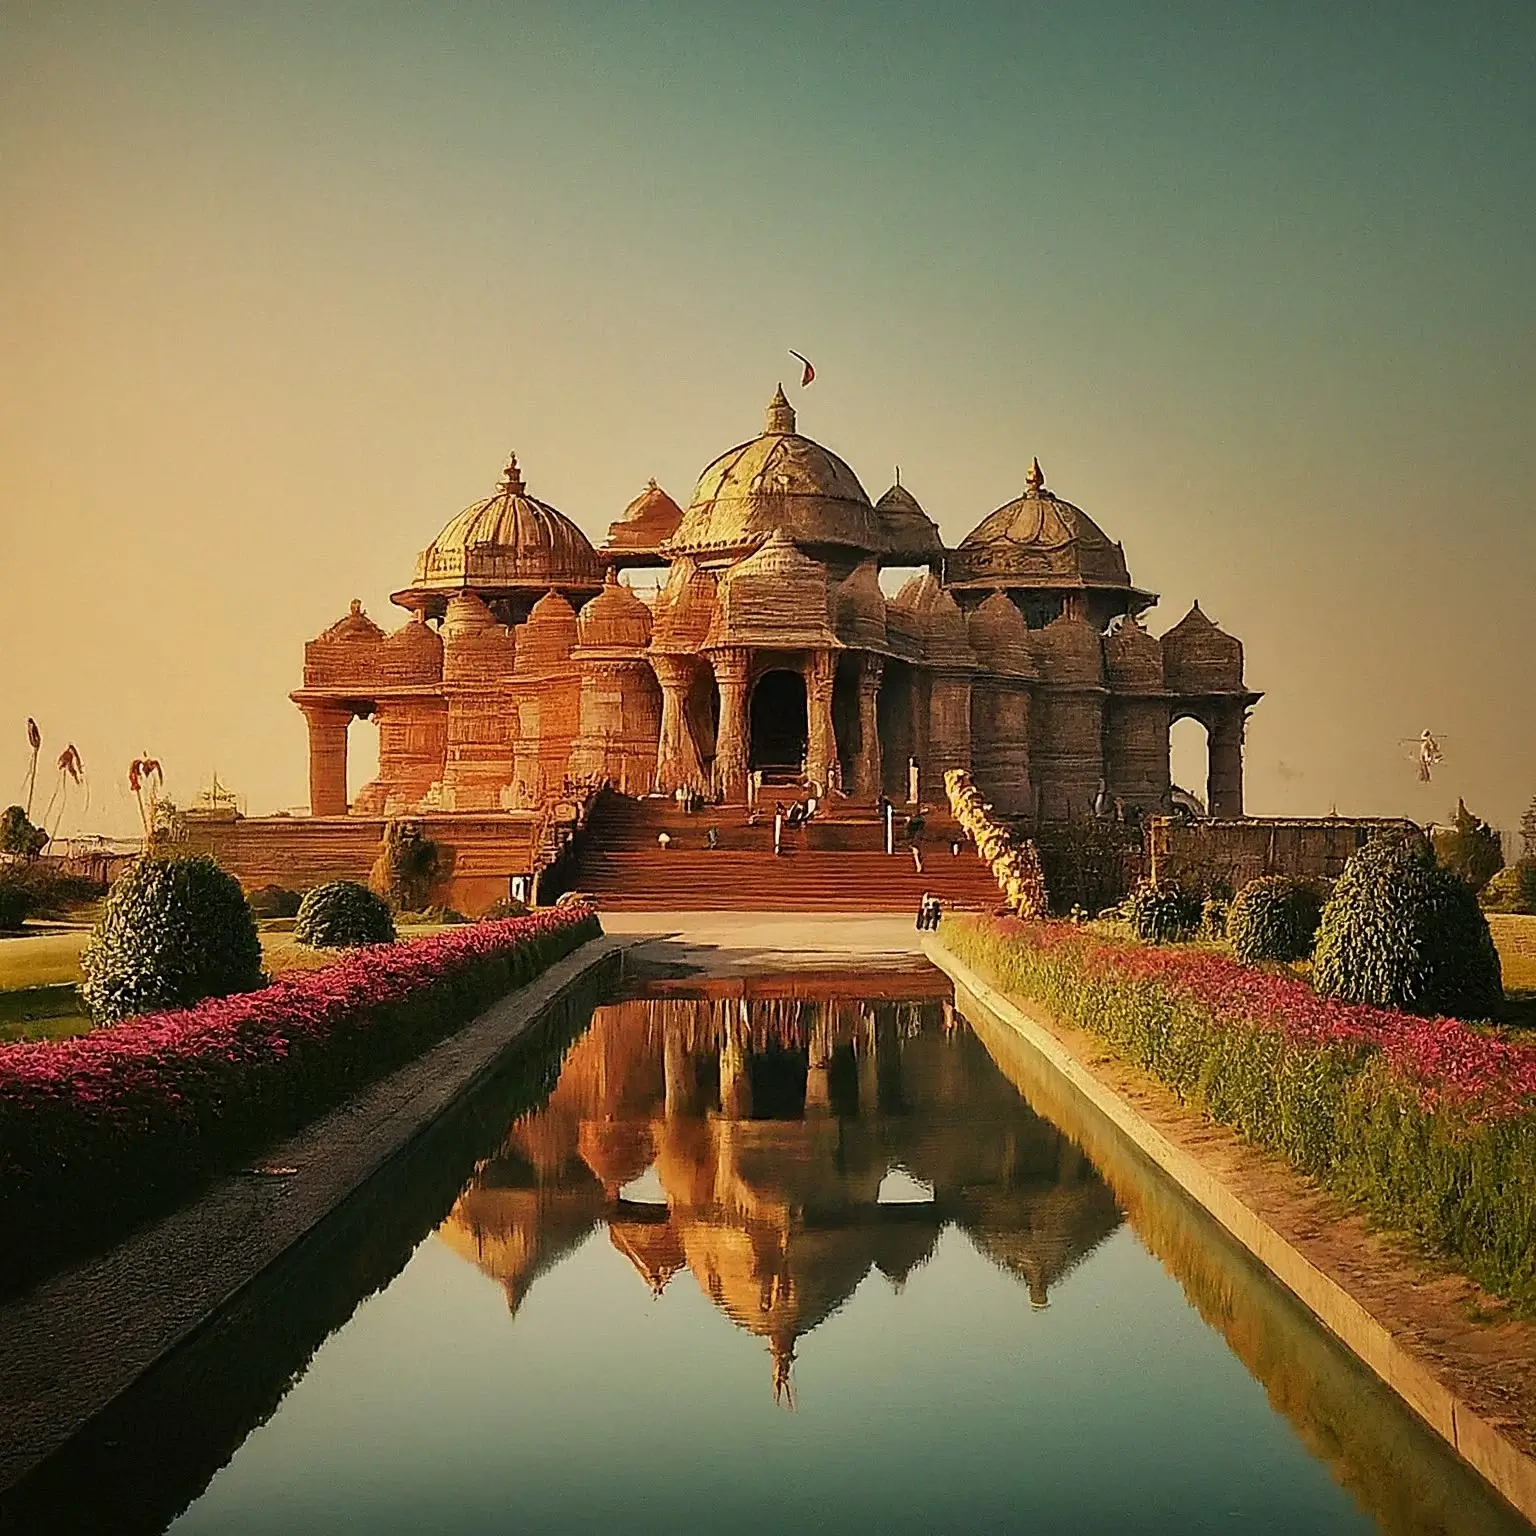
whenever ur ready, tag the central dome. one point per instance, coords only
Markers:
(779, 482)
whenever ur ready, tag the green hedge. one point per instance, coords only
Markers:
(1462, 1181)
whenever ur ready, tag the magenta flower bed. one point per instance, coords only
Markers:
(1438, 1057)
(100, 1122)
(1428, 1123)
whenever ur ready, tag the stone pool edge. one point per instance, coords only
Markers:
(1481, 1444)
(73, 1344)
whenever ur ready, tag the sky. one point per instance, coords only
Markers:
(281, 285)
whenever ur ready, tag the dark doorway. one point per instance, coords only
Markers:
(779, 726)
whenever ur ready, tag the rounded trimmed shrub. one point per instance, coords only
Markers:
(1163, 914)
(173, 931)
(15, 905)
(1401, 932)
(507, 906)
(343, 915)
(1275, 917)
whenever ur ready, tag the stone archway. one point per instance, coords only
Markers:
(779, 722)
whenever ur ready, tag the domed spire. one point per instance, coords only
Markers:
(781, 414)
(1034, 480)
(512, 477)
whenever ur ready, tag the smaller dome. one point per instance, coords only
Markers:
(646, 523)
(346, 654)
(476, 648)
(507, 542)
(354, 626)
(1039, 541)
(1071, 652)
(685, 607)
(545, 642)
(1199, 657)
(412, 654)
(1000, 638)
(929, 620)
(614, 620)
(1133, 660)
(909, 532)
(467, 615)
(860, 609)
(776, 597)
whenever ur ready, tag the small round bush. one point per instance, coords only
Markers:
(15, 906)
(1163, 914)
(1274, 918)
(1401, 932)
(342, 915)
(508, 906)
(173, 931)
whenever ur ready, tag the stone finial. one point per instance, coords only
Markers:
(1034, 479)
(356, 607)
(781, 414)
(512, 477)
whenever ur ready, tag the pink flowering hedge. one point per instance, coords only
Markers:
(113, 1120)
(1428, 1123)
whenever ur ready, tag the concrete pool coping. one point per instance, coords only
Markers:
(73, 1344)
(1181, 1143)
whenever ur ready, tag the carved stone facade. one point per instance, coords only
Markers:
(772, 648)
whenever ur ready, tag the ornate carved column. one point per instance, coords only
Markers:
(1224, 790)
(327, 757)
(822, 749)
(731, 739)
(677, 756)
(868, 766)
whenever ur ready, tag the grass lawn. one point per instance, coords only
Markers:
(38, 972)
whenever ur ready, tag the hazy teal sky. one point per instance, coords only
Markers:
(281, 284)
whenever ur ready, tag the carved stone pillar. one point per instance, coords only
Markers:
(868, 766)
(731, 738)
(677, 755)
(327, 758)
(822, 749)
(1224, 790)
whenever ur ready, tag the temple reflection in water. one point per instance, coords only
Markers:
(772, 1124)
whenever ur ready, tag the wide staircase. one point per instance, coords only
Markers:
(834, 863)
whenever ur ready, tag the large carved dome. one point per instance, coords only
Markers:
(506, 543)
(779, 482)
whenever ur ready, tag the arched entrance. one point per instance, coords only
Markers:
(779, 724)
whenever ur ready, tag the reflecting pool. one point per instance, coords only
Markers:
(773, 1262)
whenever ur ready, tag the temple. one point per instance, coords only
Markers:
(772, 646)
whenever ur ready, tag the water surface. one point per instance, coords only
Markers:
(782, 1264)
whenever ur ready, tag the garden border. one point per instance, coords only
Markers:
(74, 1343)
(1481, 1444)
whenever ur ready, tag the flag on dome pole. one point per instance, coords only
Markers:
(810, 372)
